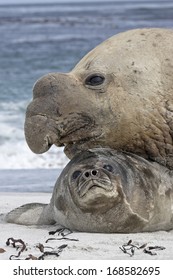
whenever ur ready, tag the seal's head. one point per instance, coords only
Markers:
(117, 96)
(92, 181)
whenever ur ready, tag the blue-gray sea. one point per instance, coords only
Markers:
(39, 38)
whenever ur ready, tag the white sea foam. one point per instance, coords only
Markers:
(14, 152)
(45, 38)
(17, 155)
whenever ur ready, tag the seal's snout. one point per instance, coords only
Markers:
(93, 179)
(93, 173)
(49, 84)
(45, 123)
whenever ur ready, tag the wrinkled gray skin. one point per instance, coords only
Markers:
(120, 95)
(101, 190)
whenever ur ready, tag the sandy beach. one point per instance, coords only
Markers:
(78, 245)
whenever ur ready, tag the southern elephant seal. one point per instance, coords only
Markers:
(120, 95)
(101, 190)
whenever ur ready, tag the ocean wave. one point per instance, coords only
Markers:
(62, 21)
(12, 115)
(44, 38)
(13, 106)
(79, 13)
(14, 152)
(17, 155)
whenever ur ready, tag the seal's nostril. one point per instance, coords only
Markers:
(87, 174)
(94, 172)
(90, 173)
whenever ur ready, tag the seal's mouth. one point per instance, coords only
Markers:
(94, 185)
(73, 147)
(75, 132)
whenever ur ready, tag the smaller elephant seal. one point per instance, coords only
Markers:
(102, 190)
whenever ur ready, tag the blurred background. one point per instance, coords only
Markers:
(52, 36)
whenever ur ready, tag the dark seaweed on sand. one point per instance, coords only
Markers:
(129, 248)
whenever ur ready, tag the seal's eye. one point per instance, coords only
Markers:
(94, 80)
(76, 174)
(108, 167)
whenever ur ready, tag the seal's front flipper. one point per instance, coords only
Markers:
(29, 214)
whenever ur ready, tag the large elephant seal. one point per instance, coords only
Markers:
(120, 95)
(101, 190)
